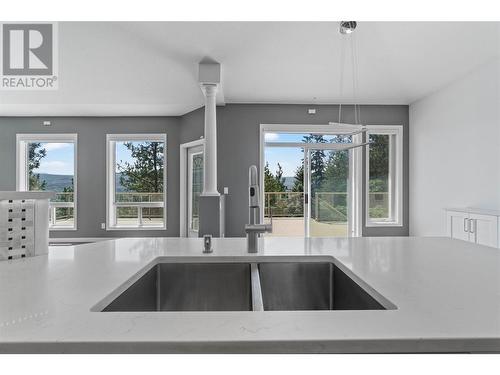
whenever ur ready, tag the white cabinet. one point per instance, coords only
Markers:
(457, 224)
(484, 229)
(474, 225)
(24, 224)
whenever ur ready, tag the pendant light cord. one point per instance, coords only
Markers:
(341, 78)
(355, 78)
(354, 72)
(354, 67)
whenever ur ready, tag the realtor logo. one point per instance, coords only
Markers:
(29, 59)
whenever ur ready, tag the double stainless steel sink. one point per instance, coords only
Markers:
(245, 286)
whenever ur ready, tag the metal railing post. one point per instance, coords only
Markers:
(53, 218)
(139, 215)
(316, 206)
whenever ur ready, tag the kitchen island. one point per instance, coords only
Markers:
(444, 296)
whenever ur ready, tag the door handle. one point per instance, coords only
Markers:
(466, 224)
(472, 224)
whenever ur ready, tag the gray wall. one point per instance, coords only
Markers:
(238, 147)
(192, 125)
(92, 165)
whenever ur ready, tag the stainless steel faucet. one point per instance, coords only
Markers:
(253, 229)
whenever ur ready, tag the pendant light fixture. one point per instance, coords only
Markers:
(348, 39)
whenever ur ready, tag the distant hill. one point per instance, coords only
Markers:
(289, 182)
(119, 187)
(57, 182)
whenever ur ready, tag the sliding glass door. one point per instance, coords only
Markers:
(284, 190)
(309, 187)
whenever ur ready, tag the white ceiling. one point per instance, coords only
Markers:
(150, 68)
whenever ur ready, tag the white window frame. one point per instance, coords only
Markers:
(395, 176)
(22, 179)
(111, 140)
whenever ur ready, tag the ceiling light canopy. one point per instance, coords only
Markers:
(347, 27)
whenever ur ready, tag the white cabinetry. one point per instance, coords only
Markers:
(24, 224)
(474, 225)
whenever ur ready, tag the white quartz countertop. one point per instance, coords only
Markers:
(447, 294)
(473, 210)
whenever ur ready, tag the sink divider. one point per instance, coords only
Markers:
(257, 302)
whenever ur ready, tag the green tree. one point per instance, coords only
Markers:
(274, 182)
(317, 165)
(295, 201)
(337, 167)
(298, 179)
(35, 154)
(69, 189)
(317, 160)
(145, 173)
(336, 172)
(66, 212)
(379, 162)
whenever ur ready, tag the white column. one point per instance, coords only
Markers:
(210, 158)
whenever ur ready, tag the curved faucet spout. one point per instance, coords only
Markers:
(252, 175)
(254, 228)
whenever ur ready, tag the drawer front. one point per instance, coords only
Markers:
(16, 229)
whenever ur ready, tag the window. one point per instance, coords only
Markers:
(136, 181)
(384, 160)
(48, 162)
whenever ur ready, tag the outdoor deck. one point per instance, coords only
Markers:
(294, 227)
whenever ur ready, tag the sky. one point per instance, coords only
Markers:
(290, 158)
(59, 159)
(123, 153)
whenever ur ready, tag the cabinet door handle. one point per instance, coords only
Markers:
(466, 224)
(472, 224)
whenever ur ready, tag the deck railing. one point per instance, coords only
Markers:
(132, 197)
(140, 206)
(325, 206)
(129, 205)
(61, 209)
